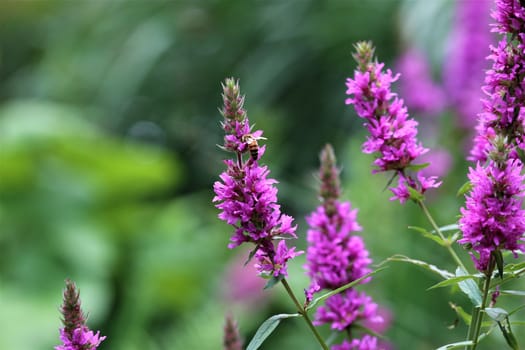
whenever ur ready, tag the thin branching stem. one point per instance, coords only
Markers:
(440, 234)
(301, 310)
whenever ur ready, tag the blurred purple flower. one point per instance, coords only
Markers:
(392, 132)
(241, 284)
(231, 338)
(493, 218)
(466, 62)
(246, 196)
(439, 162)
(421, 94)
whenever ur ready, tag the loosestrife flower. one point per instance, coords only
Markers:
(336, 257)
(75, 335)
(466, 59)
(493, 219)
(392, 132)
(246, 195)
(504, 107)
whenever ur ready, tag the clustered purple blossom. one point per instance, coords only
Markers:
(493, 219)
(246, 196)
(336, 257)
(504, 107)
(392, 132)
(466, 58)
(75, 335)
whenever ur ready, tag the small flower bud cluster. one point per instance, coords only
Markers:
(246, 196)
(335, 257)
(392, 132)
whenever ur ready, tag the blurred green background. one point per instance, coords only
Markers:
(108, 133)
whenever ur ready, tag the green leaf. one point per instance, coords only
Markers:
(466, 317)
(415, 195)
(451, 281)
(266, 328)
(416, 167)
(443, 273)
(519, 293)
(469, 287)
(496, 313)
(506, 329)
(466, 187)
(499, 261)
(451, 227)
(429, 235)
(342, 288)
(273, 281)
(460, 344)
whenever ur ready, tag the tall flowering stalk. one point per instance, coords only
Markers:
(247, 199)
(336, 257)
(392, 132)
(75, 335)
(493, 220)
(246, 196)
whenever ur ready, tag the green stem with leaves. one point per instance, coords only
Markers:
(446, 242)
(302, 311)
(478, 319)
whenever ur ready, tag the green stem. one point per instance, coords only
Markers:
(440, 234)
(301, 310)
(481, 312)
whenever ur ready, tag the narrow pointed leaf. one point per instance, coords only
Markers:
(416, 167)
(415, 195)
(506, 329)
(451, 281)
(466, 317)
(519, 293)
(443, 273)
(451, 227)
(457, 345)
(496, 313)
(466, 187)
(469, 287)
(342, 288)
(266, 328)
(429, 235)
(273, 281)
(499, 262)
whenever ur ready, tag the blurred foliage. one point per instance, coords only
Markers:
(108, 133)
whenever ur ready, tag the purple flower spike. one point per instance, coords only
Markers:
(493, 218)
(75, 335)
(336, 257)
(245, 194)
(392, 132)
